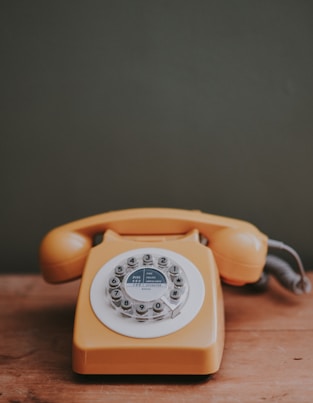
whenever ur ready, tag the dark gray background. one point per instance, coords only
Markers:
(192, 104)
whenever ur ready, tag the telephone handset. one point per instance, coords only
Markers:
(150, 300)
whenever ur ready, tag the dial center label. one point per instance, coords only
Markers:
(146, 284)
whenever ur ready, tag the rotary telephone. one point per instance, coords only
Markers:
(150, 300)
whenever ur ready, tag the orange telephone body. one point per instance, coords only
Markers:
(150, 300)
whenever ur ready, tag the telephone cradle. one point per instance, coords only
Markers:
(150, 299)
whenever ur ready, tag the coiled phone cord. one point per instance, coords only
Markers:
(282, 270)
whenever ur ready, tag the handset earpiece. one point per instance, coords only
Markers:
(240, 254)
(63, 254)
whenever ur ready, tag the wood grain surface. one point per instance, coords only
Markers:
(267, 357)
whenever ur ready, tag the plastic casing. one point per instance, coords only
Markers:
(236, 251)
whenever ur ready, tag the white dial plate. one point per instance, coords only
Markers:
(156, 288)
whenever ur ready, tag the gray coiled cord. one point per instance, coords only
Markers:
(298, 283)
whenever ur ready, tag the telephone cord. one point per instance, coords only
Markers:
(280, 269)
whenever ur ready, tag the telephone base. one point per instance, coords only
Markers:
(195, 349)
(107, 341)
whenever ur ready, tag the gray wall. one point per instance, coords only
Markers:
(192, 104)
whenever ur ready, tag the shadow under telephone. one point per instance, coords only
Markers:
(150, 300)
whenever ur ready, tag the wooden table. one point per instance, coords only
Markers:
(268, 352)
